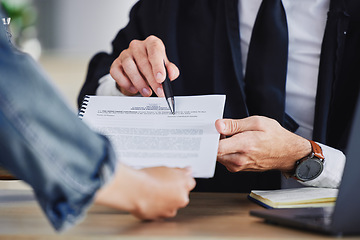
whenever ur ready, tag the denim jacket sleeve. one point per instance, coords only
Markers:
(44, 143)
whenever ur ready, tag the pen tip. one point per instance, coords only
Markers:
(171, 104)
(172, 109)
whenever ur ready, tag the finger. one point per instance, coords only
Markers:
(191, 184)
(240, 162)
(220, 125)
(122, 81)
(234, 144)
(135, 77)
(146, 70)
(186, 181)
(229, 162)
(233, 162)
(170, 213)
(140, 56)
(231, 126)
(157, 56)
(172, 70)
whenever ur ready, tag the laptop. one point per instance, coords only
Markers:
(344, 217)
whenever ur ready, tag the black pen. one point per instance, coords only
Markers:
(169, 96)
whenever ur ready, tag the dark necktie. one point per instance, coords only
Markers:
(266, 67)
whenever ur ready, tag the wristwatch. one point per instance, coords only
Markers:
(310, 167)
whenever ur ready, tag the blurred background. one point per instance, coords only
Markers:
(63, 35)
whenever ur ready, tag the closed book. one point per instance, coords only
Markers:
(295, 197)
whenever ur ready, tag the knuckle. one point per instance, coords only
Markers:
(134, 44)
(230, 165)
(234, 126)
(156, 44)
(231, 169)
(127, 64)
(220, 160)
(113, 71)
(123, 56)
(257, 122)
(143, 62)
(184, 203)
(249, 147)
(152, 38)
(172, 213)
(220, 149)
(191, 184)
(261, 122)
(237, 164)
(116, 63)
(274, 122)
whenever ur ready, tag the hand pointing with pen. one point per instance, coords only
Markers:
(140, 68)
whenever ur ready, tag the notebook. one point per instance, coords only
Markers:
(295, 197)
(344, 217)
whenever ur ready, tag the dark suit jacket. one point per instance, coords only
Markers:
(202, 39)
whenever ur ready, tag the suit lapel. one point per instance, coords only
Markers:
(228, 77)
(233, 34)
(329, 68)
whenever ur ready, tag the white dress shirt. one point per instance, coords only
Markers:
(305, 39)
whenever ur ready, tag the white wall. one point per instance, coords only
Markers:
(81, 26)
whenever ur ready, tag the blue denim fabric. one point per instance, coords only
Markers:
(44, 143)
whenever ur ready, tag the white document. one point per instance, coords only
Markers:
(145, 133)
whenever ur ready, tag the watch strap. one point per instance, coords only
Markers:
(316, 150)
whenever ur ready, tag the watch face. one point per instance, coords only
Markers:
(309, 169)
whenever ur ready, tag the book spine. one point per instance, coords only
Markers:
(259, 202)
(83, 106)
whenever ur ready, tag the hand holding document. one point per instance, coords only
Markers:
(145, 133)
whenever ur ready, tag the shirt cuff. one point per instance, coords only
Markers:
(334, 164)
(65, 214)
(107, 87)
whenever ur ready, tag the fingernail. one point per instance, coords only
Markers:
(160, 92)
(159, 77)
(145, 91)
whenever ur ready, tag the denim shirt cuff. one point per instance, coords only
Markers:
(64, 214)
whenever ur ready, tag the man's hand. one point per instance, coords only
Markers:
(140, 68)
(259, 144)
(150, 193)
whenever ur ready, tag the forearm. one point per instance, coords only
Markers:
(44, 143)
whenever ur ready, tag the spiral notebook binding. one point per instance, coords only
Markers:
(83, 106)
